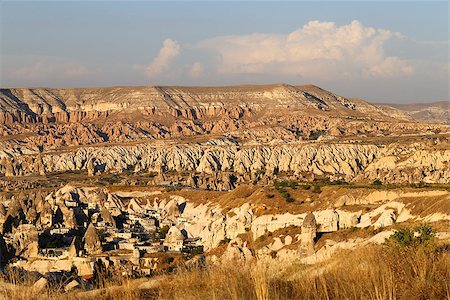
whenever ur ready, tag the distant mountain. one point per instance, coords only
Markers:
(436, 112)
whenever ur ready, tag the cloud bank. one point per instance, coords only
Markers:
(316, 50)
(40, 69)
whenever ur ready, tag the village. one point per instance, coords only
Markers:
(75, 236)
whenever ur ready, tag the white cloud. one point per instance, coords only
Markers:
(391, 67)
(170, 50)
(196, 70)
(318, 50)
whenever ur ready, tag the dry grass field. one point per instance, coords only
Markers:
(387, 271)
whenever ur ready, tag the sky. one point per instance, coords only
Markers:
(385, 51)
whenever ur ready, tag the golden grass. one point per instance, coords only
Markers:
(377, 272)
(372, 272)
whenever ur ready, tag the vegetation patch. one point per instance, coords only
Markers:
(420, 235)
(281, 186)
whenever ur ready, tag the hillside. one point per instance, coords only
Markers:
(435, 112)
(42, 101)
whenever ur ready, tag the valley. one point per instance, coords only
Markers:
(144, 183)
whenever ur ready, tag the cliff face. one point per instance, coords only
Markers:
(43, 101)
(55, 118)
(50, 119)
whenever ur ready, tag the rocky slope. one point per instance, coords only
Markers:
(437, 112)
(49, 119)
(42, 101)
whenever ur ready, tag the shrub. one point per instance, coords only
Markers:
(270, 196)
(305, 186)
(172, 188)
(280, 187)
(192, 251)
(169, 260)
(403, 237)
(420, 184)
(377, 182)
(286, 196)
(317, 189)
(163, 231)
(418, 236)
(339, 182)
(282, 184)
(353, 229)
(423, 233)
(315, 134)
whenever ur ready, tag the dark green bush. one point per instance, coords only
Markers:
(315, 134)
(192, 251)
(283, 184)
(163, 231)
(286, 196)
(168, 260)
(418, 236)
(317, 189)
(305, 186)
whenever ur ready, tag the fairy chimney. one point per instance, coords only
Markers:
(91, 239)
(9, 168)
(40, 165)
(308, 234)
(90, 167)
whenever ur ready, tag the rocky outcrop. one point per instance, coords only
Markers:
(25, 240)
(50, 119)
(90, 167)
(214, 224)
(429, 166)
(308, 235)
(213, 138)
(91, 240)
(237, 252)
(437, 112)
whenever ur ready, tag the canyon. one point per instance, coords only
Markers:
(144, 181)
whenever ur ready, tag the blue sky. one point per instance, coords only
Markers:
(379, 51)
